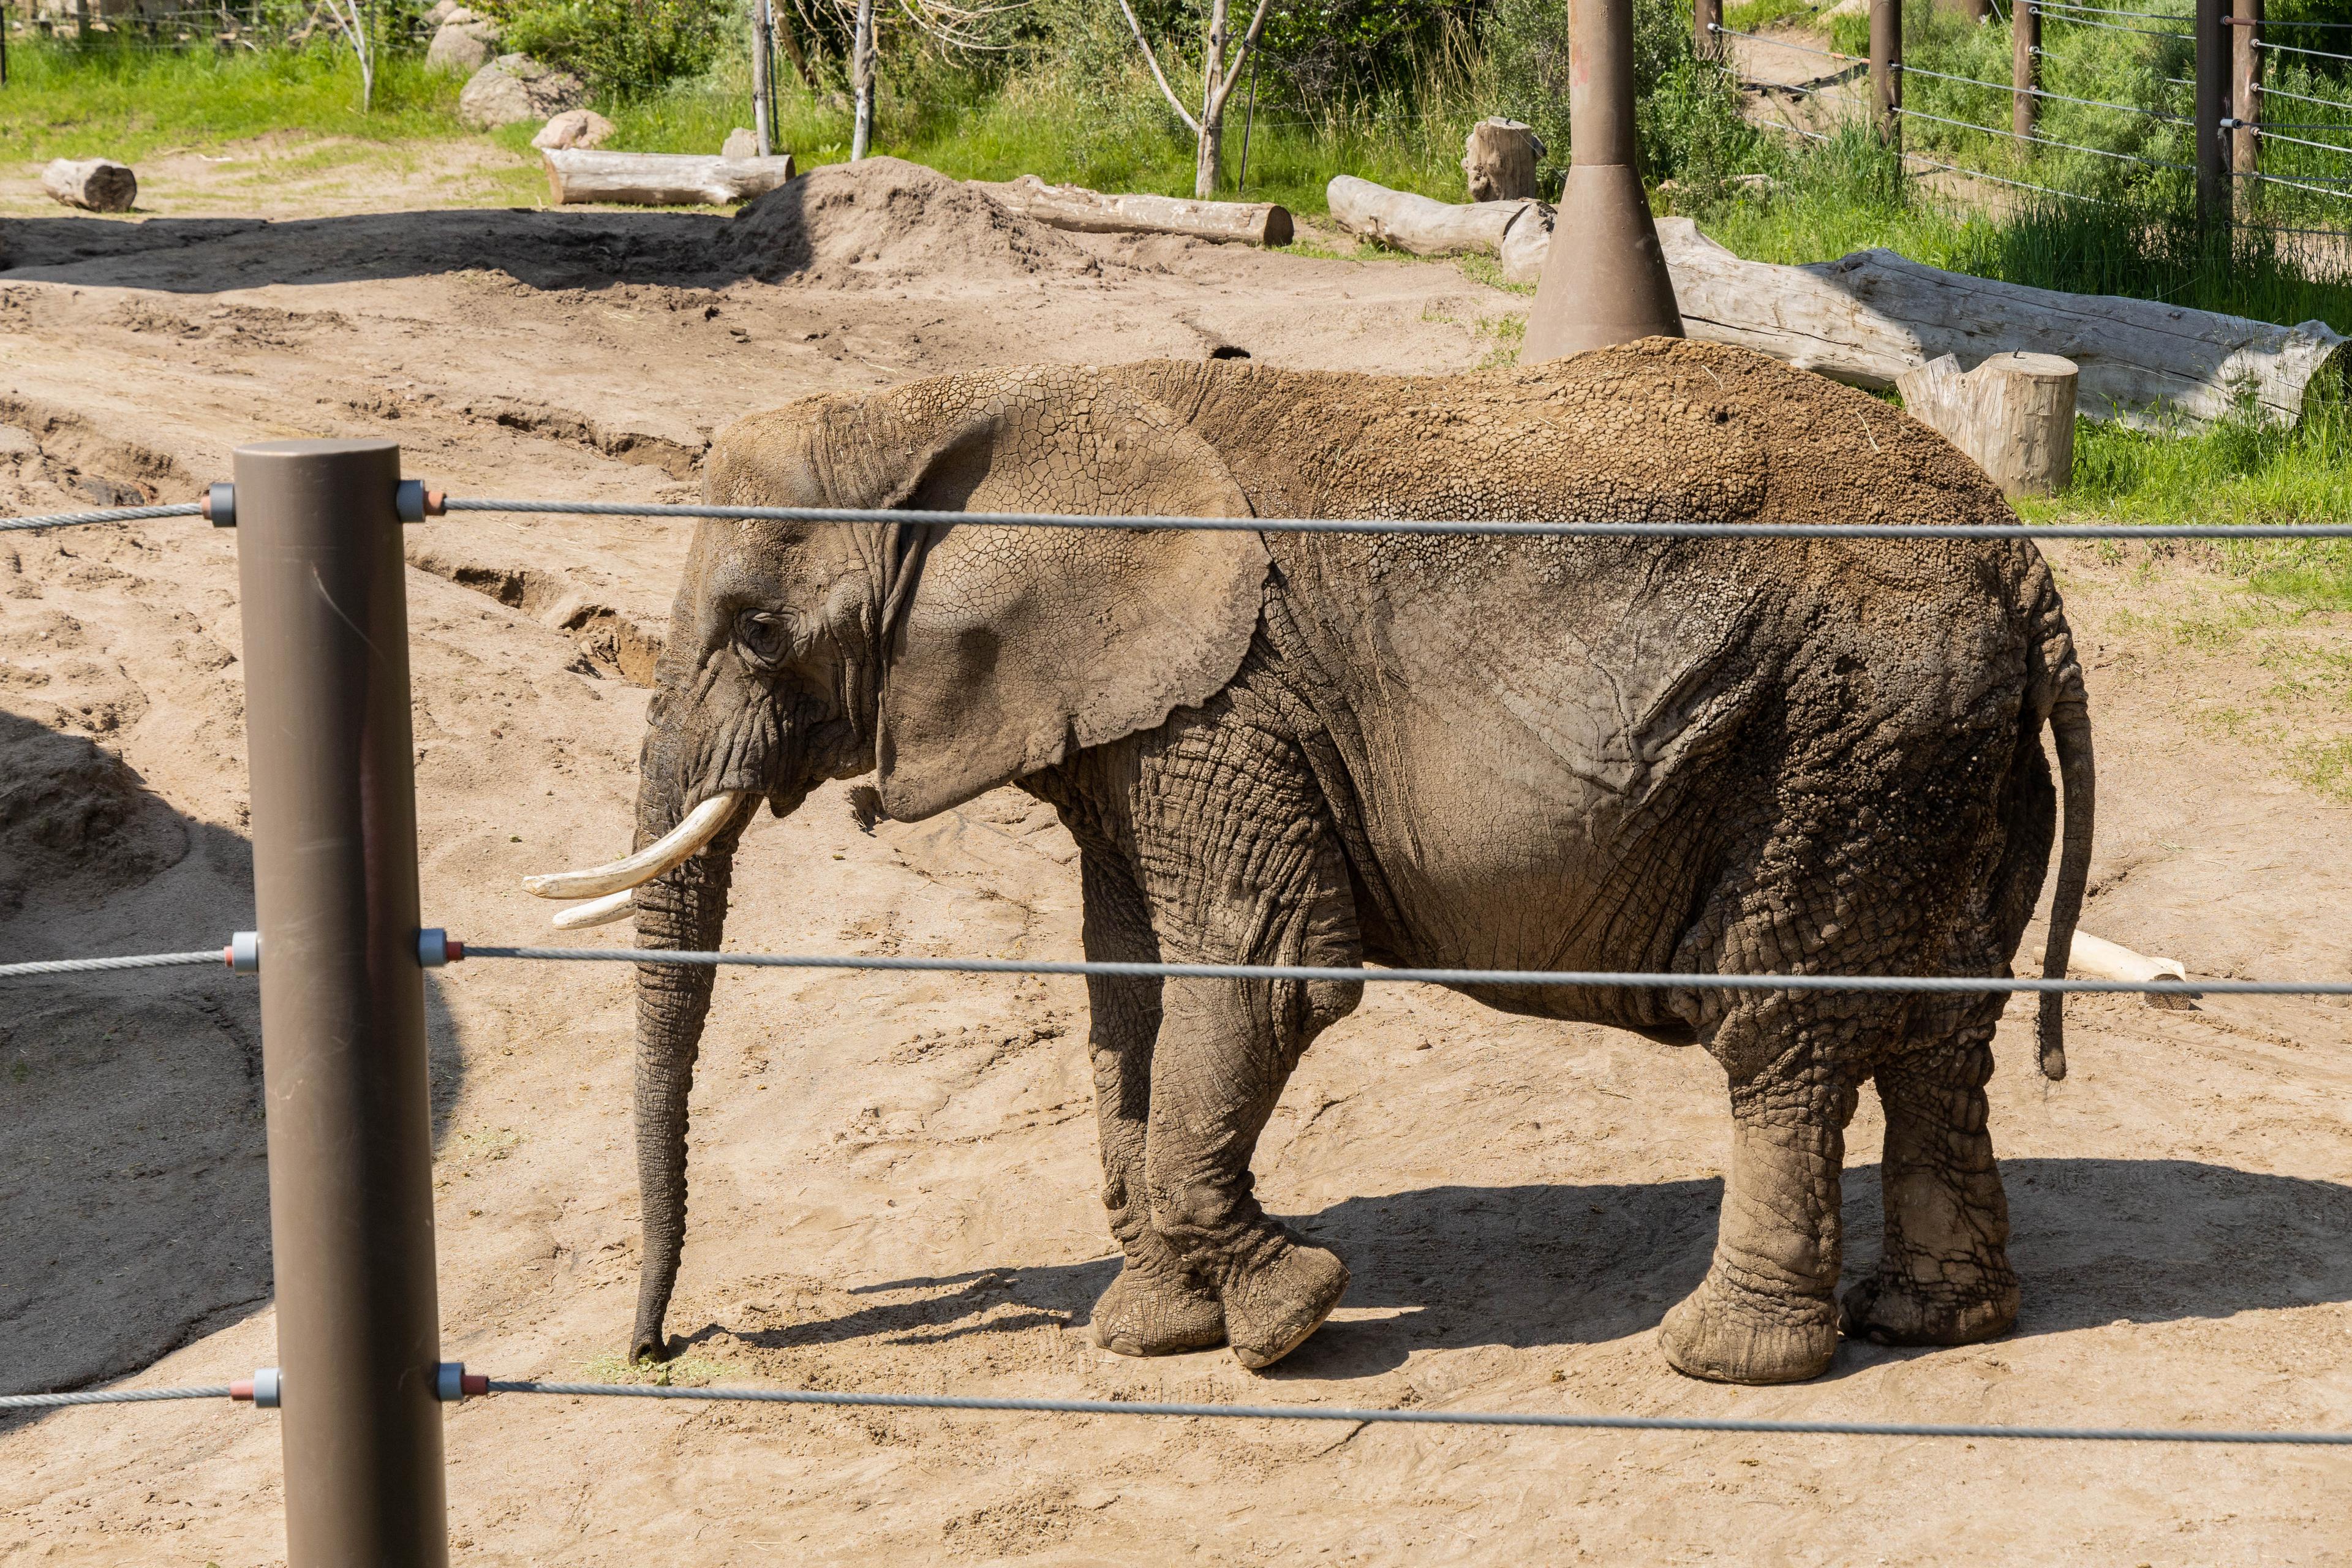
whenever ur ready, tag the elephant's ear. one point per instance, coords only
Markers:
(1014, 647)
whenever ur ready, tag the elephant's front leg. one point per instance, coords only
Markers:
(1766, 1311)
(1239, 859)
(1158, 1305)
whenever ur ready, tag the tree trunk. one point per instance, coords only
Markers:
(2014, 414)
(660, 179)
(763, 91)
(97, 184)
(1091, 212)
(861, 81)
(1211, 147)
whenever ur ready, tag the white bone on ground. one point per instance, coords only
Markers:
(2095, 958)
(701, 827)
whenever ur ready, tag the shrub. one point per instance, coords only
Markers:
(620, 47)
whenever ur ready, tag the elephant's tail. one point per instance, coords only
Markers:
(2057, 693)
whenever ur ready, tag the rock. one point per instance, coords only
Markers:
(574, 128)
(463, 44)
(516, 87)
(441, 12)
(739, 143)
(97, 184)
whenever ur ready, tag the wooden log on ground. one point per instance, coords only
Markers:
(2014, 414)
(1867, 318)
(95, 185)
(1499, 160)
(661, 179)
(1403, 221)
(1092, 212)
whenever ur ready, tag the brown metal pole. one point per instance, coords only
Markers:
(2245, 104)
(1706, 15)
(2212, 99)
(2025, 65)
(1886, 69)
(1605, 279)
(342, 1002)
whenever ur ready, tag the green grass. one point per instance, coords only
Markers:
(67, 103)
(1755, 15)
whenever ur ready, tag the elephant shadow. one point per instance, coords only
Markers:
(134, 1194)
(1538, 1266)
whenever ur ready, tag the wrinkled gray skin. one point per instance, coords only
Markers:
(1698, 756)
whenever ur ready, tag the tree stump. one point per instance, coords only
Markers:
(2014, 414)
(95, 185)
(1500, 159)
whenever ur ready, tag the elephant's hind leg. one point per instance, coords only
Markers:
(1766, 1311)
(1158, 1305)
(1943, 1278)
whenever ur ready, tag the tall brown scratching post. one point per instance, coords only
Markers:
(1605, 281)
(342, 1002)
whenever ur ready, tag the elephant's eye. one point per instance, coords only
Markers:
(764, 635)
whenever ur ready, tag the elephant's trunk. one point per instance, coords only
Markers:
(684, 909)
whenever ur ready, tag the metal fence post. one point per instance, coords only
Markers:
(342, 1002)
(2025, 65)
(1886, 69)
(2212, 95)
(2246, 103)
(763, 87)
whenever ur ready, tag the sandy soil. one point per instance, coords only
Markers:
(894, 1178)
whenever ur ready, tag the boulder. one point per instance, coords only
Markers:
(516, 87)
(463, 44)
(739, 143)
(440, 12)
(574, 128)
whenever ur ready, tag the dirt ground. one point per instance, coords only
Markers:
(894, 1176)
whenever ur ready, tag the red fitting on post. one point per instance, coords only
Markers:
(436, 502)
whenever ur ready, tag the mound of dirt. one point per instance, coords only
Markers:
(850, 224)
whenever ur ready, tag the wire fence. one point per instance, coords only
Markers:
(243, 952)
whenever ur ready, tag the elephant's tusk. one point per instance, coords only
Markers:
(680, 843)
(2095, 958)
(601, 912)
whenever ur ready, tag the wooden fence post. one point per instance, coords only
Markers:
(2245, 104)
(2212, 159)
(1706, 15)
(2025, 65)
(763, 87)
(1886, 68)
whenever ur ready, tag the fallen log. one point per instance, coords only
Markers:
(1092, 212)
(1867, 318)
(660, 179)
(2014, 414)
(94, 185)
(1403, 221)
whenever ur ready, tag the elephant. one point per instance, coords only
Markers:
(1701, 756)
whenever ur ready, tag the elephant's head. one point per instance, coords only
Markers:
(944, 662)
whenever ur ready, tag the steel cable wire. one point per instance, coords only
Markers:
(2299, 49)
(1420, 1417)
(2004, 180)
(1785, 44)
(111, 1396)
(211, 955)
(1591, 979)
(107, 514)
(2013, 91)
(1149, 523)
(2343, 104)
(2042, 141)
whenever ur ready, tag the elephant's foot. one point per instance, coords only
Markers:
(1272, 1306)
(1728, 1333)
(1140, 1315)
(1951, 1306)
